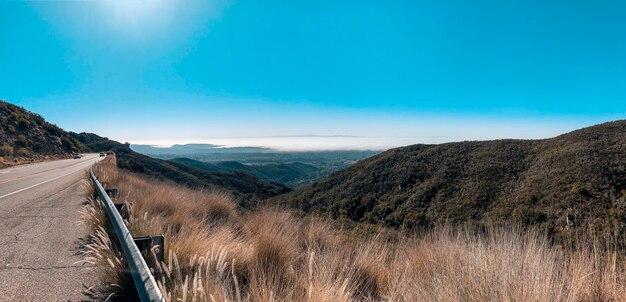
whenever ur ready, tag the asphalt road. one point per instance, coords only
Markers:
(41, 231)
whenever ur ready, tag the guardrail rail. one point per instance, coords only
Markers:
(147, 288)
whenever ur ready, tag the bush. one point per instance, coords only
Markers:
(579, 189)
(6, 150)
(528, 216)
(22, 141)
(414, 220)
(23, 152)
(38, 119)
(69, 144)
(23, 123)
(53, 129)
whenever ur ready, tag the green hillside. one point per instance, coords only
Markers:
(534, 182)
(290, 174)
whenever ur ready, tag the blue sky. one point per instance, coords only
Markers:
(387, 72)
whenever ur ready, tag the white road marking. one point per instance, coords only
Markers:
(5, 171)
(41, 183)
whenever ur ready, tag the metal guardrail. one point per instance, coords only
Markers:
(147, 288)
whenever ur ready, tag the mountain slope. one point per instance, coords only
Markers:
(26, 136)
(529, 181)
(290, 174)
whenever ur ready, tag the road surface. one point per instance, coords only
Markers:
(40, 231)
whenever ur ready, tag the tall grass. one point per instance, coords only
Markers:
(216, 252)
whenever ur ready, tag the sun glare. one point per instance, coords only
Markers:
(135, 8)
(139, 15)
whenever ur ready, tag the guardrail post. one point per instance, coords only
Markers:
(147, 243)
(122, 208)
(152, 247)
(112, 192)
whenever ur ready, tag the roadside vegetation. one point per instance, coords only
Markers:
(26, 137)
(215, 251)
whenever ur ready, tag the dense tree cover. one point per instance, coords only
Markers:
(532, 182)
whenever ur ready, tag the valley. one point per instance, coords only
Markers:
(294, 169)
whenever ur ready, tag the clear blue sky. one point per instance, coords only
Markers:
(166, 71)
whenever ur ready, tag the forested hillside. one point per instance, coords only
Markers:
(534, 182)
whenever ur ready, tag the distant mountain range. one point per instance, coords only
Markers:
(195, 149)
(533, 182)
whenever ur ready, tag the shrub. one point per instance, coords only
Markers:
(23, 152)
(414, 220)
(68, 144)
(6, 150)
(579, 189)
(22, 141)
(53, 129)
(528, 216)
(23, 123)
(38, 119)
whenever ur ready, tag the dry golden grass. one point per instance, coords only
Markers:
(215, 252)
(101, 252)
